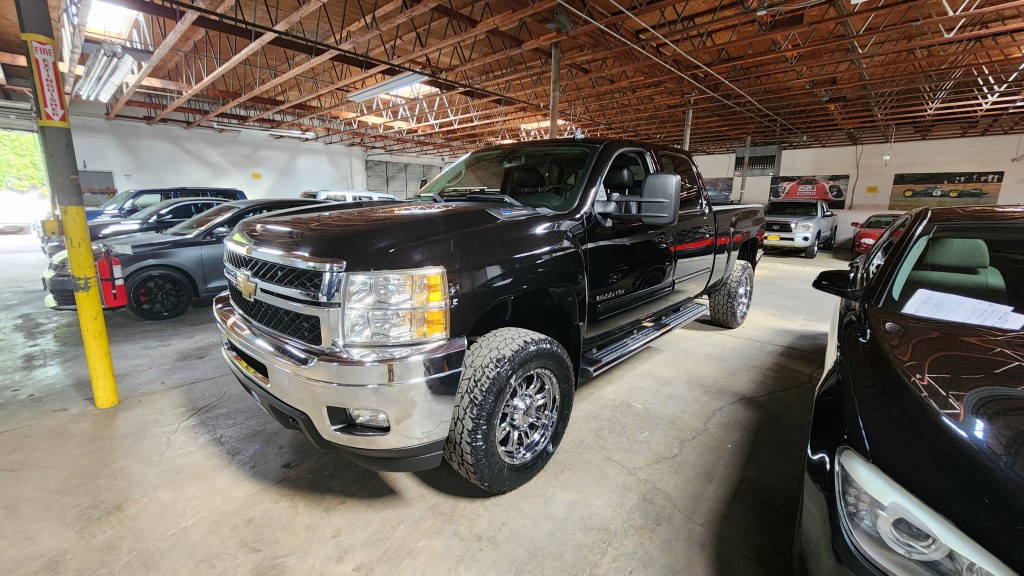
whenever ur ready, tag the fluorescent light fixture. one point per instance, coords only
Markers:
(398, 82)
(417, 90)
(542, 124)
(109, 20)
(105, 69)
(269, 131)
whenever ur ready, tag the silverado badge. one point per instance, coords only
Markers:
(246, 286)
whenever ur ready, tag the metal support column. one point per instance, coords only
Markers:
(746, 165)
(556, 62)
(62, 172)
(686, 128)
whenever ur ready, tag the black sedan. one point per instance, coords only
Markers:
(915, 461)
(159, 216)
(164, 271)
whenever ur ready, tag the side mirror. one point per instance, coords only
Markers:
(837, 283)
(855, 224)
(829, 213)
(220, 232)
(660, 199)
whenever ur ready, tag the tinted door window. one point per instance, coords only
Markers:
(190, 194)
(179, 212)
(690, 193)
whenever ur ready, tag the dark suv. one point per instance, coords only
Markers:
(129, 202)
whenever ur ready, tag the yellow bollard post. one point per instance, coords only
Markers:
(62, 170)
(90, 310)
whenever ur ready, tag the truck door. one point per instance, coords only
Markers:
(630, 267)
(693, 239)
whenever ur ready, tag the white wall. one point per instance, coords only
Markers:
(142, 156)
(953, 155)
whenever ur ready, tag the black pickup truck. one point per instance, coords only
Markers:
(460, 328)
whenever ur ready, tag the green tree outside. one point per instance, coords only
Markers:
(21, 162)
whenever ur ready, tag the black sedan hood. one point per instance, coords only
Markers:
(363, 237)
(100, 229)
(942, 408)
(142, 242)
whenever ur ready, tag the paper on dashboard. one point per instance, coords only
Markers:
(942, 306)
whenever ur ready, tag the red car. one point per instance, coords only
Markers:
(868, 232)
(809, 188)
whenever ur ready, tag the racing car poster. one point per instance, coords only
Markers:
(830, 187)
(944, 189)
(719, 189)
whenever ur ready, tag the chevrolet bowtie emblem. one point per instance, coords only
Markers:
(246, 286)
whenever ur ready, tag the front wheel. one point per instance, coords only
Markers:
(158, 294)
(954, 193)
(730, 302)
(831, 242)
(511, 409)
(812, 250)
(908, 193)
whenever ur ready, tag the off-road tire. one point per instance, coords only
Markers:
(159, 293)
(493, 364)
(812, 250)
(831, 242)
(730, 302)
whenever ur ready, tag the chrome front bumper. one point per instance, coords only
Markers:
(789, 239)
(416, 390)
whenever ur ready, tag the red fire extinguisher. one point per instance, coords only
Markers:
(112, 290)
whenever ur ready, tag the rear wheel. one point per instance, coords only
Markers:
(158, 294)
(812, 250)
(511, 409)
(730, 303)
(908, 193)
(954, 193)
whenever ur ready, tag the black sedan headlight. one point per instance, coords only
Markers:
(898, 532)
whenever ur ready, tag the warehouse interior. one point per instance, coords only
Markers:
(689, 455)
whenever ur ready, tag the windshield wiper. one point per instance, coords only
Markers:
(492, 197)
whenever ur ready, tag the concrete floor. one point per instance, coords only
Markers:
(685, 459)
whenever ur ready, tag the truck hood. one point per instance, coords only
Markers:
(944, 416)
(793, 219)
(364, 237)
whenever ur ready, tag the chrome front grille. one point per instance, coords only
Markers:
(302, 327)
(277, 274)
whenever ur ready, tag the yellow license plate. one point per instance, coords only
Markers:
(774, 237)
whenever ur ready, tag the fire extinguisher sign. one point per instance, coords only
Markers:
(49, 92)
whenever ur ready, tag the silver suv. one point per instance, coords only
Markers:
(799, 224)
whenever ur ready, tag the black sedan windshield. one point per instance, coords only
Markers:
(543, 176)
(961, 273)
(201, 221)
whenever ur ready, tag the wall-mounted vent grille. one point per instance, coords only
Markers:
(764, 160)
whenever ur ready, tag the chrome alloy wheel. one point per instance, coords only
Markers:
(529, 414)
(743, 298)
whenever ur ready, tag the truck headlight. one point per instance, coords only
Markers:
(897, 531)
(805, 227)
(396, 307)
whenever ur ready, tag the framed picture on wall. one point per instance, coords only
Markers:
(944, 189)
(830, 187)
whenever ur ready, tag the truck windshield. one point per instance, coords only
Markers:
(791, 209)
(117, 201)
(542, 176)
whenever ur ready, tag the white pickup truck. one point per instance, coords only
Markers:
(799, 224)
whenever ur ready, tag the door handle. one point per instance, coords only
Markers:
(663, 240)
